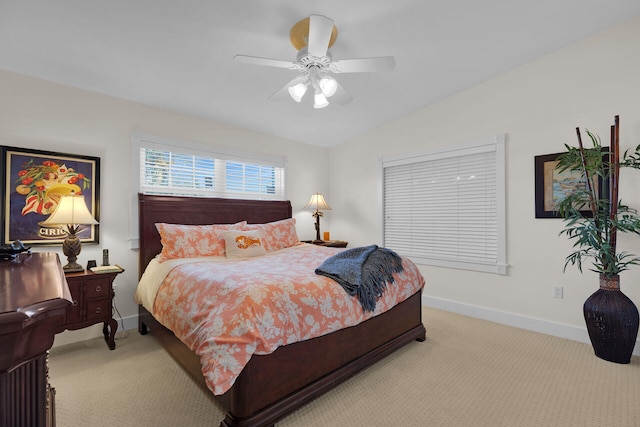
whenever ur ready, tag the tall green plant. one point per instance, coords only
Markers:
(595, 234)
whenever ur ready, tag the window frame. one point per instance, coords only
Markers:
(141, 140)
(495, 144)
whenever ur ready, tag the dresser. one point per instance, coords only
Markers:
(33, 299)
(92, 296)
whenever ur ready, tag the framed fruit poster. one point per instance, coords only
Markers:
(33, 181)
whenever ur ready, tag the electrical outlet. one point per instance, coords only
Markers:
(557, 291)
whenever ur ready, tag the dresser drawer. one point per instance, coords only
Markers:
(98, 288)
(98, 309)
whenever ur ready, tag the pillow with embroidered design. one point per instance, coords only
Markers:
(278, 234)
(191, 241)
(243, 243)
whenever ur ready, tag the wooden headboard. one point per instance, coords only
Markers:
(153, 209)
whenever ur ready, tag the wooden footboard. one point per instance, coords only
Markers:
(274, 385)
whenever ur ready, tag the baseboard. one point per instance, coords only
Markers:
(69, 337)
(511, 319)
(129, 322)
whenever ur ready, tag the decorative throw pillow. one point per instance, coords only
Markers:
(243, 243)
(191, 241)
(278, 234)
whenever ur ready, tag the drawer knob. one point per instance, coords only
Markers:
(98, 288)
(74, 303)
(98, 310)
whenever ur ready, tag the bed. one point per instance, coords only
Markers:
(270, 386)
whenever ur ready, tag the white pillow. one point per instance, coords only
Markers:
(243, 243)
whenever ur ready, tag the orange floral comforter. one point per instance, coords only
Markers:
(228, 311)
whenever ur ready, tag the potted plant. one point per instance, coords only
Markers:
(593, 216)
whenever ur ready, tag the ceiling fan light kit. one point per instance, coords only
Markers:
(319, 100)
(312, 37)
(297, 91)
(329, 86)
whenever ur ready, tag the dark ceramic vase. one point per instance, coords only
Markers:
(612, 321)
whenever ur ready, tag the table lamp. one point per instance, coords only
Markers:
(318, 203)
(72, 211)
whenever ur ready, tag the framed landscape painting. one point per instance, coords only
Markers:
(33, 182)
(553, 186)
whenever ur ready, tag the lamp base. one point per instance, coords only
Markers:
(72, 268)
(71, 248)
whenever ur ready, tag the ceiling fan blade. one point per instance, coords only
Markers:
(341, 96)
(320, 28)
(280, 94)
(363, 65)
(267, 62)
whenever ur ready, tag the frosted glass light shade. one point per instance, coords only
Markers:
(297, 91)
(328, 86)
(320, 101)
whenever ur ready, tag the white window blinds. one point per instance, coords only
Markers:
(179, 170)
(446, 208)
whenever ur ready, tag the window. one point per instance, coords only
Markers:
(447, 207)
(165, 166)
(167, 169)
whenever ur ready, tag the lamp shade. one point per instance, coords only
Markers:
(320, 101)
(70, 211)
(329, 85)
(297, 91)
(317, 203)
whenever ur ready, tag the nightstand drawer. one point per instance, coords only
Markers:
(98, 309)
(74, 311)
(98, 288)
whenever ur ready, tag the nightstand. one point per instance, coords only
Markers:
(328, 243)
(92, 296)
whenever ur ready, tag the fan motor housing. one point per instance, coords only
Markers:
(307, 60)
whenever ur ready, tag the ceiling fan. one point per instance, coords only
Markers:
(312, 37)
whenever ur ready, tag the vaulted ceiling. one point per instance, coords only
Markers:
(178, 55)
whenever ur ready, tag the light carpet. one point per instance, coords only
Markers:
(468, 372)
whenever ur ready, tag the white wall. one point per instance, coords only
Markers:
(538, 107)
(42, 115)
